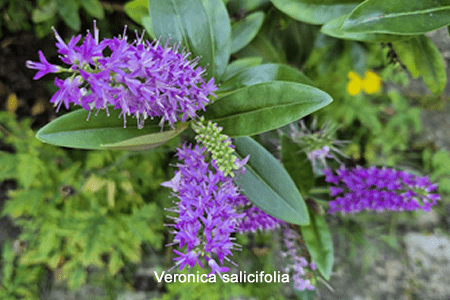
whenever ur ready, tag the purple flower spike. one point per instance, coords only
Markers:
(379, 189)
(206, 210)
(140, 78)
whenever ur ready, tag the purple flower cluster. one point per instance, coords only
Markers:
(379, 189)
(206, 212)
(297, 263)
(142, 79)
(254, 219)
(209, 211)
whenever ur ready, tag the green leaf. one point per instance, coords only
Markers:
(268, 185)
(68, 9)
(148, 141)
(319, 243)
(28, 168)
(429, 63)
(8, 162)
(102, 132)
(333, 28)
(44, 12)
(398, 16)
(245, 30)
(264, 73)
(405, 53)
(240, 65)
(115, 263)
(297, 164)
(94, 8)
(315, 11)
(202, 26)
(265, 106)
(136, 10)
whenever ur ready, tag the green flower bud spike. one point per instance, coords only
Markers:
(218, 144)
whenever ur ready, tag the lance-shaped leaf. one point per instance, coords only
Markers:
(421, 57)
(245, 30)
(102, 132)
(398, 16)
(319, 243)
(268, 185)
(297, 164)
(315, 11)
(202, 26)
(265, 106)
(264, 73)
(333, 28)
(240, 65)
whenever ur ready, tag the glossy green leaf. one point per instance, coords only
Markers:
(319, 243)
(202, 26)
(297, 164)
(333, 28)
(264, 73)
(101, 132)
(148, 141)
(138, 11)
(429, 63)
(265, 106)
(68, 9)
(240, 65)
(245, 30)
(315, 11)
(268, 185)
(398, 16)
(261, 46)
(94, 8)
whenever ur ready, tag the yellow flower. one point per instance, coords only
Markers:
(370, 84)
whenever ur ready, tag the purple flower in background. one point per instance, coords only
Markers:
(254, 219)
(379, 189)
(142, 79)
(206, 210)
(297, 263)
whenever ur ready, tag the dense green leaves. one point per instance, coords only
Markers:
(202, 26)
(267, 184)
(243, 31)
(319, 243)
(422, 57)
(265, 106)
(68, 10)
(398, 16)
(264, 73)
(94, 8)
(333, 28)
(102, 131)
(297, 164)
(315, 11)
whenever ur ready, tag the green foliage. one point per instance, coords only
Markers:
(397, 17)
(80, 210)
(315, 12)
(203, 27)
(105, 131)
(319, 243)
(440, 165)
(276, 102)
(268, 185)
(243, 31)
